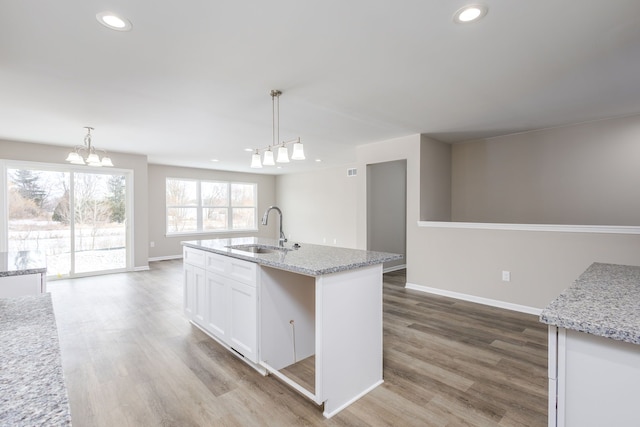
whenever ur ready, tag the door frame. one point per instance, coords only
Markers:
(58, 167)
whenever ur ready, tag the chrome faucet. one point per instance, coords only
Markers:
(265, 218)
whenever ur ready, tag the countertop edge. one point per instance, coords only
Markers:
(23, 272)
(590, 293)
(280, 266)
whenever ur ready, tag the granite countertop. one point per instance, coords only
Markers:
(22, 262)
(604, 301)
(311, 260)
(32, 390)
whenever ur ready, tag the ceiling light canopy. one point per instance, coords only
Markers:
(470, 13)
(282, 152)
(114, 21)
(91, 158)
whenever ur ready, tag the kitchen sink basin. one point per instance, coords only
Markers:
(258, 249)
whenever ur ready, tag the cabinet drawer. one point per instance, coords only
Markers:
(242, 271)
(194, 257)
(215, 262)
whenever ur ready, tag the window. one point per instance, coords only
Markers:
(197, 206)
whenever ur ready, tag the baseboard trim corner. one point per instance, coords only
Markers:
(165, 258)
(476, 299)
(141, 268)
(394, 268)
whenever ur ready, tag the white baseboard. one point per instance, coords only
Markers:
(165, 258)
(476, 299)
(141, 268)
(394, 268)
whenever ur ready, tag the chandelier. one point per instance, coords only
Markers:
(283, 152)
(86, 154)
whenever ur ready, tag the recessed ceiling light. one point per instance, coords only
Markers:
(318, 160)
(113, 21)
(249, 150)
(215, 160)
(470, 13)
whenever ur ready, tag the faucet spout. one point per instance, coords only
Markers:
(265, 220)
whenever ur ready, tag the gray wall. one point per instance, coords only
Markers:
(435, 180)
(586, 174)
(319, 207)
(169, 246)
(386, 208)
(11, 150)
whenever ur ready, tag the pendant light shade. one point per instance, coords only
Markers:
(283, 154)
(298, 151)
(268, 158)
(255, 160)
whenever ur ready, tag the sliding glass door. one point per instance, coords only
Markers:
(78, 219)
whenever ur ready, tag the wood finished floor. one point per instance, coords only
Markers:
(130, 358)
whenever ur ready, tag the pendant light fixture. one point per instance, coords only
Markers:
(282, 152)
(92, 158)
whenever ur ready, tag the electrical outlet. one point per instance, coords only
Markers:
(506, 276)
(152, 244)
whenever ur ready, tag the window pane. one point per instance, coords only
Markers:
(181, 193)
(215, 218)
(215, 194)
(39, 217)
(182, 219)
(99, 217)
(243, 195)
(244, 218)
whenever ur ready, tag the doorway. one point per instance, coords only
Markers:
(387, 209)
(77, 219)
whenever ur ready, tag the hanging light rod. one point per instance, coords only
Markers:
(92, 158)
(283, 153)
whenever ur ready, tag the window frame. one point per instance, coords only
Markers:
(200, 207)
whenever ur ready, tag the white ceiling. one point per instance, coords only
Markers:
(191, 81)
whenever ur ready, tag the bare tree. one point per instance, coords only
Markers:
(90, 209)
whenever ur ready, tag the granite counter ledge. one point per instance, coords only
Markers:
(308, 259)
(603, 301)
(18, 263)
(32, 388)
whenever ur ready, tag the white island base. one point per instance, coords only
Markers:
(336, 317)
(310, 316)
(593, 381)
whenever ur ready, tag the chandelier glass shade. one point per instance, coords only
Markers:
(282, 151)
(91, 157)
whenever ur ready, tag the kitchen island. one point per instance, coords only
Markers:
(309, 315)
(594, 349)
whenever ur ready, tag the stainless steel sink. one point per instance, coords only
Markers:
(258, 249)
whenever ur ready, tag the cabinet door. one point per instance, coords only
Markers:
(242, 326)
(194, 293)
(216, 307)
(17, 286)
(188, 290)
(200, 296)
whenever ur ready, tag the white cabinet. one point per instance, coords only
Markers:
(598, 380)
(242, 319)
(220, 297)
(216, 305)
(19, 285)
(194, 290)
(194, 285)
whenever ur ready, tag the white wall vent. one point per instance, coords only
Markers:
(352, 172)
